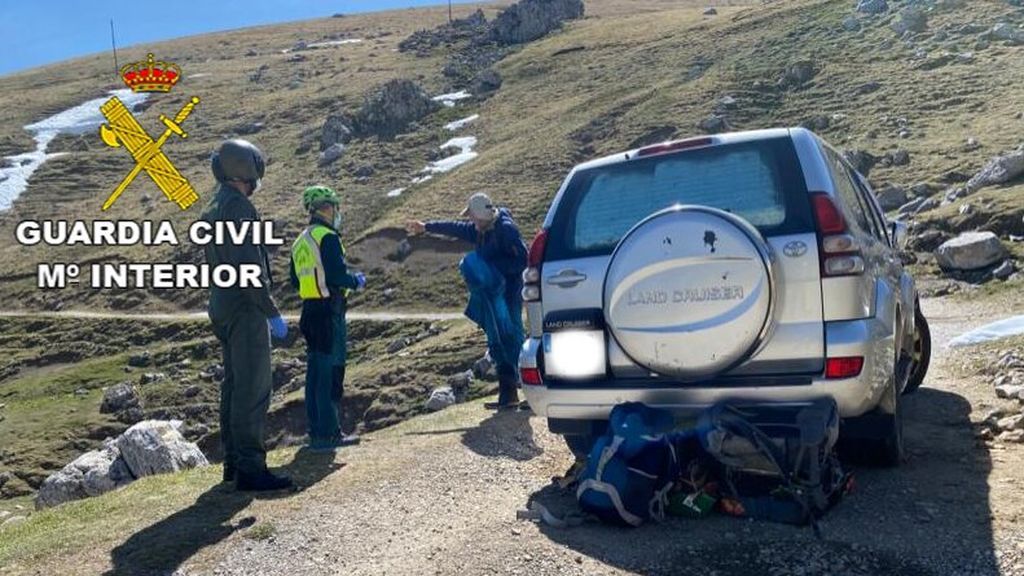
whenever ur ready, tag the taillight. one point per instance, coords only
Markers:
(840, 251)
(536, 254)
(673, 146)
(827, 215)
(847, 367)
(534, 259)
(531, 376)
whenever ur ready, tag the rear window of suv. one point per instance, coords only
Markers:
(760, 181)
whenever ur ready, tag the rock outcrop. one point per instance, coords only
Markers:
(91, 474)
(529, 20)
(147, 448)
(392, 108)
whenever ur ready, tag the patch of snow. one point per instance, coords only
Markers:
(421, 179)
(198, 75)
(77, 120)
(450, 99)
(334, 43)
(465, 145)
(325, 44)
(395, 193)
(995, 331)
(459, 124)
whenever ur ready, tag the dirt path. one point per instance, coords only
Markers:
(439, 495)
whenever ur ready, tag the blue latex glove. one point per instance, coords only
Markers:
(278, 327)
(360, 280)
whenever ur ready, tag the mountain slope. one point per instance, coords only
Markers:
(626, 74)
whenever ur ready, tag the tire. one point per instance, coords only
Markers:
(890, 448)
(922, 353)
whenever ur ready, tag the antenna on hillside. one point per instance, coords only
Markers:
(113, 46)
(449, 11)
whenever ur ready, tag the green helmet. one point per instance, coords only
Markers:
(316, 196)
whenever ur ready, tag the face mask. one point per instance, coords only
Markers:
(259, 184)
(337, 220)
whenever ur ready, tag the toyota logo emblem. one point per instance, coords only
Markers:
(795, 249)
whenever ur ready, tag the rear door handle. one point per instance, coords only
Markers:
(567, 278)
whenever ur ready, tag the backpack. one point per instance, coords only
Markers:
(777, 462)
(631, 468)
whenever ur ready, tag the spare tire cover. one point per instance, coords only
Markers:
(689, 292)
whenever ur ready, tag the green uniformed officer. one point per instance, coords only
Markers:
(320, 274)
(240, 318)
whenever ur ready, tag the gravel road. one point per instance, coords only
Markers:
(440, 495)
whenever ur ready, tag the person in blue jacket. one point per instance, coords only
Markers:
(498, 242)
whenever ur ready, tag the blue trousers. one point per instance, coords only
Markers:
(326, 352)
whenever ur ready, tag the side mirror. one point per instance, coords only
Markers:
(900, 234)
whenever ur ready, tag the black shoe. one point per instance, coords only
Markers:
(502, 406)
(264, 482)
(229, 473)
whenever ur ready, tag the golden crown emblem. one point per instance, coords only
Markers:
(150, 75)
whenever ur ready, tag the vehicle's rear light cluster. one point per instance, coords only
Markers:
(674, 146)
(840, 252)
(531, 276)
(531, 376)
(846, 367)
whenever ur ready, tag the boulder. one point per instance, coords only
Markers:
(710, 12)
(440, 399)
(1008, 32)
(851, 24)
(528, 20)
(911, 19)
(798, 74)
(151, 377)
(1009, 391)
(389, 110)
(714, 124)
(999, 170)
(891, 197)
(91, 474)
(460, 383)
(1005, 270)
(484, 367)
(140, 360)
(157, 447)
(970, 251)
(861, 160)
(331, 155)
(119, 398)
(872, 6)
(486, 82)
(336, 130)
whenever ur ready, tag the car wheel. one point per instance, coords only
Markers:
(922, 353)
(890, 450)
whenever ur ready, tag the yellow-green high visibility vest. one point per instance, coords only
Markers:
(309, 266)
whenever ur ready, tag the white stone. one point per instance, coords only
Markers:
(970, 251)
(440, 399)
(157, 447)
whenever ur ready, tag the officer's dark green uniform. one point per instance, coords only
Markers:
(240, 318)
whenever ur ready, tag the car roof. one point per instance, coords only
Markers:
(717, 139)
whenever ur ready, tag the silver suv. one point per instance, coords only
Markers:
(753, 266)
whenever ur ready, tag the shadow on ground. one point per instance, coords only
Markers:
(931, 516)
(163, 547)
(503, 435)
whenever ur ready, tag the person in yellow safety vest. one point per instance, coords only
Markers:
(319, 273)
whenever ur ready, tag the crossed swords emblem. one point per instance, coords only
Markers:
(122, 129)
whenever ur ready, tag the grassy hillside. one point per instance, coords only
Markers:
(626, 74)
(55, 372)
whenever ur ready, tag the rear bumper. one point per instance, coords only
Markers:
(594, 399)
